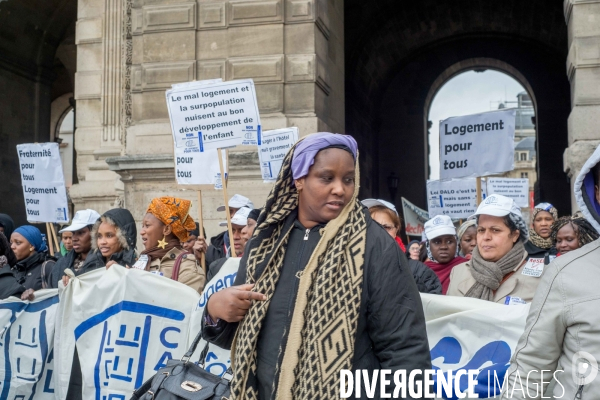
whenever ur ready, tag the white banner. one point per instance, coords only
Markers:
(514, 188)
(461, 337)
(126, 324)
(477, 145)
(273, 149)
(27, 346)
(213, 115)
(199, 168)
(414, 218)
(217, 359)
(456, 198)
(43, 182)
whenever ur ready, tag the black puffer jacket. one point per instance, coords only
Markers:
(63, 263)
(8, 284)
(127, 256)
(391, 330)
(28, 271)
(426, 280)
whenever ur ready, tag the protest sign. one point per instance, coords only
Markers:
(456, 198)
(27, 342)
(125, 328)
(477, 145)
(213, 115)
(461, 338)
(43, 182)
(198, 168)
(514, 188)
(273, 149)
(414, 218)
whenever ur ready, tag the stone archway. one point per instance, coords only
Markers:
(399, 55)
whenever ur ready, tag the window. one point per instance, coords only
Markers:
(523, 156)
(524, 175)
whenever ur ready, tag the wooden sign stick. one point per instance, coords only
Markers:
(201, 230)
(225, 198)
(50, 239)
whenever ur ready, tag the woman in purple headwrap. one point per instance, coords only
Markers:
(321, 286)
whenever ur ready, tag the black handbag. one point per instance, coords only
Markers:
(185, 380)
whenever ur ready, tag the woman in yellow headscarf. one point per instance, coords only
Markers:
(164, 227)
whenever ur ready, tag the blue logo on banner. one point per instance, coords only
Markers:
(489, 378)
(200, 141)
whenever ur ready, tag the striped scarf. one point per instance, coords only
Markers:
(325, 315)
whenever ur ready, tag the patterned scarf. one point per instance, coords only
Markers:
(488, 275)
(325, 316)
(536, 239)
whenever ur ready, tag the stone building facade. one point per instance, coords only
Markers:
(370, 69)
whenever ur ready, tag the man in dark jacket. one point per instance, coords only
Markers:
(219, 245)
(81, 226)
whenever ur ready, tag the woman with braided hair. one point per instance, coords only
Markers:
(321, 286)
(571, 233)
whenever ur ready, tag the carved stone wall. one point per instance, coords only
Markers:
(292, 49)
(583, 70)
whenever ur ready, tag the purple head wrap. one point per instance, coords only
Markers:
(307, 149)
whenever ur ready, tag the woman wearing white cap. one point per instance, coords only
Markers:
(497, 270)
(442, 248)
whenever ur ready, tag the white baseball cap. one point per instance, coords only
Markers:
(497, 205)
(81, 219)
(378, 202)
(439, 226)
(238, 201)
(240, 217)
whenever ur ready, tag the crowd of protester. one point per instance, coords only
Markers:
(314, 244)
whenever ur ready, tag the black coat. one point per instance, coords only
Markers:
(28, 272)
(427, 281)
(536, 252)
(216, 250)
(391, 331)
(9, 286)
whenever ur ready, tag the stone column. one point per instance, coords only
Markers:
(583, 70)
(292, 49)
(99, 101)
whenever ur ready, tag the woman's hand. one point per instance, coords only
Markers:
(200, 248)
(28, 295)
(65, 280)
(111, 262)
(232, 304)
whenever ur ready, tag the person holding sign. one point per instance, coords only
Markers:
(81, 229)
(34, 264)
(114, 238)
(316, 248)
(164, 227)
(497, 269)
(539, 247)
(442, 248)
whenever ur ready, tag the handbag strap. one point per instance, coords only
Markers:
(177, 265)
(186, 357)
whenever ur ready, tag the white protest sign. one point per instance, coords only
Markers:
(514, 188)
(27, 346)
(273, 149)
(477, 145)
(213, 115)
(456, 198)
(414, 218)
(217, 359)
(198, 168)
(43, 182)
(461, 339)
(126, 324)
